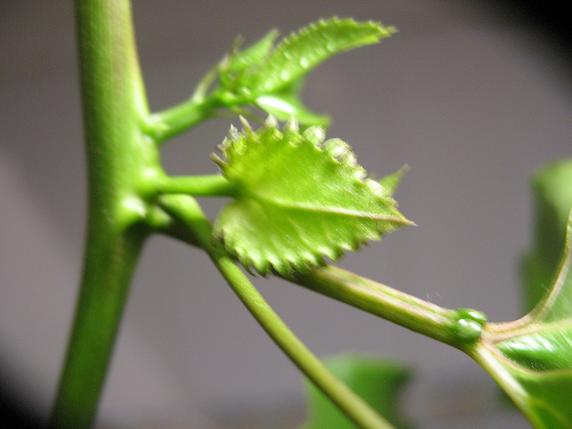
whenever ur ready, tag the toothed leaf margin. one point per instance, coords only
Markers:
(299, 199)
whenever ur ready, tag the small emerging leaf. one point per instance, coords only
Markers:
(302, 51)
(270, 77)
(298, 199)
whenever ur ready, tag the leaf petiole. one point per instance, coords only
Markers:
(196, 186)
(182, 117)
(398, 307)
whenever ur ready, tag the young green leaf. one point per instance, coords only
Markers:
(378, 382)
(298, 199)
(270, 77)
(533, 355)
(300, 52)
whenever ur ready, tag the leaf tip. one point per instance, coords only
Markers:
(409, 222)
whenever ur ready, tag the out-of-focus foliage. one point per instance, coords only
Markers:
(534, 353)
(552, 187)
(379, 382)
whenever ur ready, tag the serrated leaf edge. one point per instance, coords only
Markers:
(346, 157)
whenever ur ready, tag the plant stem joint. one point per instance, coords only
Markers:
(468, 326)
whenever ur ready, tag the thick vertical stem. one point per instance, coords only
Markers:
(107, 272)
(118, 152)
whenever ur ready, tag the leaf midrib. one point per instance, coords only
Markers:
(321, 209)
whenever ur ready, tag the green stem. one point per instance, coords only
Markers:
(197, 186)
(484, 355)
(398, 307)
(110, 260)
(120, 159)
(186, 210)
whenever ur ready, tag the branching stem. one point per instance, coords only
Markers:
(125, 182)
(118, 153)
(186, 210)
(401, 308)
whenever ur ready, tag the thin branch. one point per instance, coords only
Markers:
(401, 308)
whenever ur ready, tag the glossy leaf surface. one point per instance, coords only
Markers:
(377, 381)
(535, 352)
(552, 188)
(286, 106)
(298, 199)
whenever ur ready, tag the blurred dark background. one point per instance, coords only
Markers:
(473, 95)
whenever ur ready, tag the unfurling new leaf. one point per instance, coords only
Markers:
(300, 52)
(270, 77)
(298, 199)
